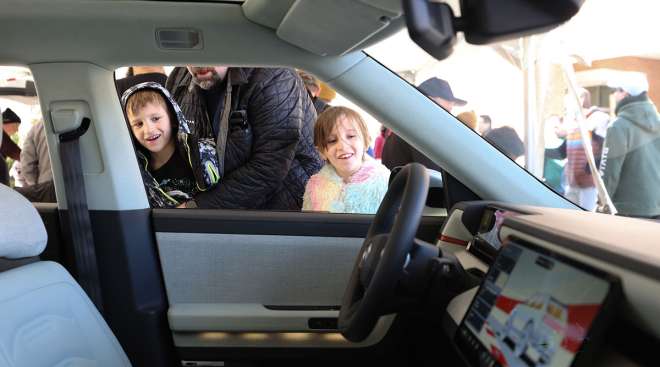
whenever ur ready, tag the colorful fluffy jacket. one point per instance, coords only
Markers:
(327, 191)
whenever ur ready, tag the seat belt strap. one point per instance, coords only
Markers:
(80, 225)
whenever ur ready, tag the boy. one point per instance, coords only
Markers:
(174, 164)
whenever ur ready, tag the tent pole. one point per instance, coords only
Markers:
(528, 47)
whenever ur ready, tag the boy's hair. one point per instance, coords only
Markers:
(143, 97)
(327, 121)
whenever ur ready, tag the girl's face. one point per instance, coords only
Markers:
(345, 147)
(152, 128)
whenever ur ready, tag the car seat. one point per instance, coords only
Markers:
(47, 319)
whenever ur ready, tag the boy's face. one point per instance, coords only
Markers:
(345, 147)
(152, 128)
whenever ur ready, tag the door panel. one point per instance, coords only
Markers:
(262, 269)
(249, 279)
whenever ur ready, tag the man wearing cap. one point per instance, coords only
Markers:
(396, 151)
(631, 156)
(8, 148)
(10, 126)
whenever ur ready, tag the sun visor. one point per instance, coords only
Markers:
(335, 27)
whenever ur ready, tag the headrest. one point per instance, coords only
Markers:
(22, 233)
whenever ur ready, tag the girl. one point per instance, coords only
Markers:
(174, 164)
(350, 181)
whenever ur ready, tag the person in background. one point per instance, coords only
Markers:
(396, 151)
(350, 181)
(554, 155)
(264, 121)
(327, 94)
(469, 118)
(35, 161)
(313, 86)
(507, 141)
(10, 123)
(485, 124)
(581, 188)
(631, 155)
(380, 141)
(141, 74)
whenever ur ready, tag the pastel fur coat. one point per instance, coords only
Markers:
(327, 191)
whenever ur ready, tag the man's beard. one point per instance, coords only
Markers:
(205, 84)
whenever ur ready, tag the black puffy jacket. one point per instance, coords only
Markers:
(267, 161)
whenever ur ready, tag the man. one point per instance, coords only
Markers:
(580, 185)
(396, 151)
(10, 123)
(35, 161)
(313, 86)
(631, 156)
(506, 139)
(263, 120)
(485, 124)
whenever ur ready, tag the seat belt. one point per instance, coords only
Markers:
(80, 225)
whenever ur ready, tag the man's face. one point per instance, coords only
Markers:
(10, 128)
(619, 94)
(447, 105)
(207, 76)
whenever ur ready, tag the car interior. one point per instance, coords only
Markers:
(507, 273)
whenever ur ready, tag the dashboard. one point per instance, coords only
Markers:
(559, 287)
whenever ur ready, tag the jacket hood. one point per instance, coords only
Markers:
(642, 114)
(182, 123)
(199, 153)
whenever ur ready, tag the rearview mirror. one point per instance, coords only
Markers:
(433, 26)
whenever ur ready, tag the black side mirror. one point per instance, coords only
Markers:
(433, 26)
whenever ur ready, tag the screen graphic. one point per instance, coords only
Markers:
(531, 310)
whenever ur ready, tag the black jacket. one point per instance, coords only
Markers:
(397, 152)
(270, 157)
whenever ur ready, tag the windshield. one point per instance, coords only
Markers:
(574, 106)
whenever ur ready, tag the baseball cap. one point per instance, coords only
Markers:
(633, 84)
(436, 87)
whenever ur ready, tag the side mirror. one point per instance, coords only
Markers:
(433, 26)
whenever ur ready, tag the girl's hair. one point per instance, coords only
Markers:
(329, 118)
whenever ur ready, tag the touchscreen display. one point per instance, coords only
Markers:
(531, 310)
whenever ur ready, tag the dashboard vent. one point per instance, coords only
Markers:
(179, 39)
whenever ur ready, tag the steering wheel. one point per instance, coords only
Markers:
(384, 254)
